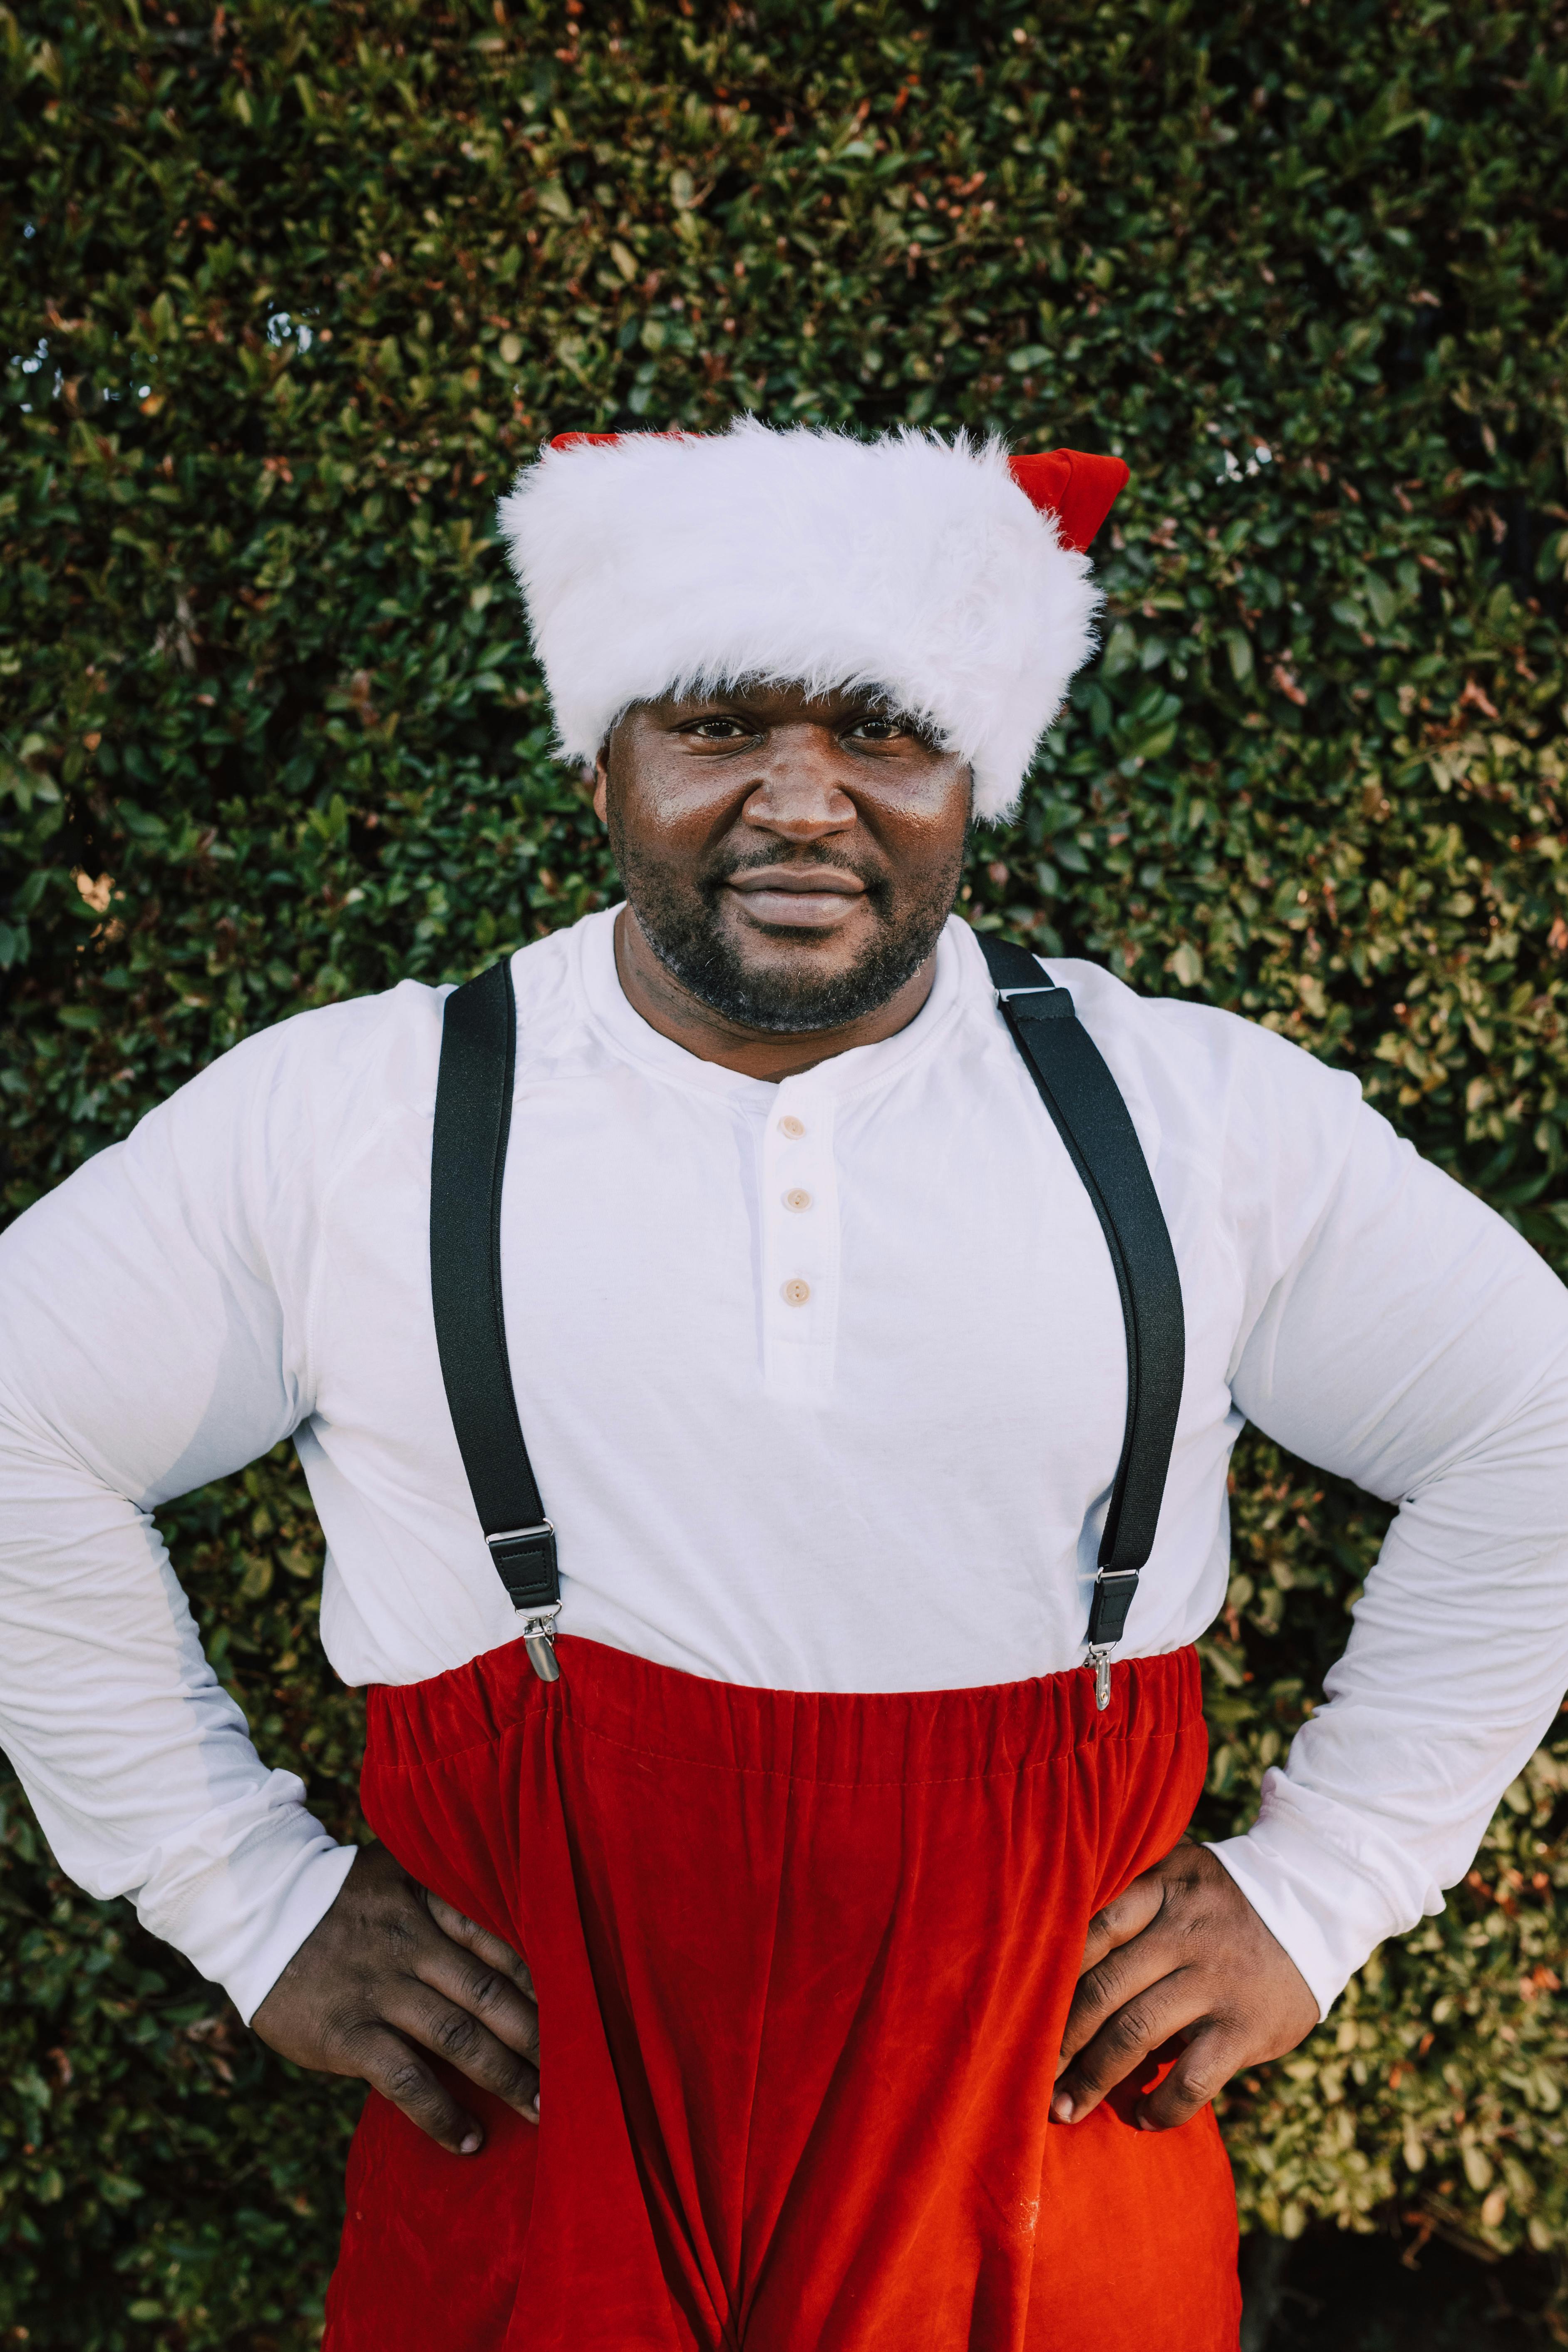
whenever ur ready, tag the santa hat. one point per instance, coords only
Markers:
(946, 574)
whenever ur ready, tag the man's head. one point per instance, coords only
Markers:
(790, 859)
(929, 601)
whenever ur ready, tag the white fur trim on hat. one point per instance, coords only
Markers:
(653, 566)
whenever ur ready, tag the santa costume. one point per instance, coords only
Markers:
(775, 1519)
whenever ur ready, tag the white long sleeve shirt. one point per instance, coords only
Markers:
(825, 1386)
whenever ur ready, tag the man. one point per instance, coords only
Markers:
(880, 2000)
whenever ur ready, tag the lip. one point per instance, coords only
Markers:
(799, 898)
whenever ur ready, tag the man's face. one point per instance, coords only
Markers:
(790, 861)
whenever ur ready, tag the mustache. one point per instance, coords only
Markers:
(809, 857)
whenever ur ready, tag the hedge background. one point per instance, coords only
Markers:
(290, 292)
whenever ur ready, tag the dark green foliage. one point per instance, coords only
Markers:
(292, 290)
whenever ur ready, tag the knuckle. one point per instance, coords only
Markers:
(504, 1965)
(1132, 2029)
(353, 2033)
(405, 2082)
(454, 1923)
(518, 2080)
(1097, 1987)
(1093, 2069)
(1204, 2077)
(455, 2035)
(402, 1930)
(1168, 2113)
(483, 1988)
(1110, 1915)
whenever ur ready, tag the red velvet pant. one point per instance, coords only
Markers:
(802, 1963)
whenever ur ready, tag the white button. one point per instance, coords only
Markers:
(791, 1125)
(794, 1292)
(797, 1199)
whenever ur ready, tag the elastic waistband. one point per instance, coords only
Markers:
(859, 1737)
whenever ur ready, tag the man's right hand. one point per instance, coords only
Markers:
(391, 1970)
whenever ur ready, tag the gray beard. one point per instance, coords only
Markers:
(684, 930)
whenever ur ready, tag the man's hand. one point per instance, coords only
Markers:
(1183, 1954)
(392, 1970)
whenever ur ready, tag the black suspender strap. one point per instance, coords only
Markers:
(1090, 1117)
(468, 1160)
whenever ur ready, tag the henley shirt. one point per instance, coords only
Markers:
(824, 1384)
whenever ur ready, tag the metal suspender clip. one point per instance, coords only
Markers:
(1113, 1591)
(525, 1562)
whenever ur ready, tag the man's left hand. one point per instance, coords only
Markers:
(1181, 1955)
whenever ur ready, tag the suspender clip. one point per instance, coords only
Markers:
(539, 1641)
(1113, 1590)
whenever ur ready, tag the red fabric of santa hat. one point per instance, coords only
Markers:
(944, 574)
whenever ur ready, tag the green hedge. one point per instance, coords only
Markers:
(290, 291)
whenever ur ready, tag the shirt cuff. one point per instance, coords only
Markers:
(241, 1894)
(1326, 1881)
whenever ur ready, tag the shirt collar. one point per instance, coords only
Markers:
(960, 975)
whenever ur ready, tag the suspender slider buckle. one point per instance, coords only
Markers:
(525, 1562)
(1113, 1591)
(1046, 1002)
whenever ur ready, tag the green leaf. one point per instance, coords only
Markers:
(1239, 649)
(1186, 965)
(1121, 650)
(1382, 598)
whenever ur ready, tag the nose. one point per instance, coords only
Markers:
(800, 793)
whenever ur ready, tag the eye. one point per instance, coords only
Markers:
(717, 727)
(887, 727)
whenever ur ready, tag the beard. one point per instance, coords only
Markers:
(682, 920)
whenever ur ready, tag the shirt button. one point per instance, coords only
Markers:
(795, 1292)
(797, 1199)
(792, 1127)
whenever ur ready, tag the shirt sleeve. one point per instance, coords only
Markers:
(1415, 1343)
(151, 1339)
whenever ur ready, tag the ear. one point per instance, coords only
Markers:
(601, 783)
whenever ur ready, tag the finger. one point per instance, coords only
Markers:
(387, 2063)
(1124, 1973)
(1122, 2044)
(1204, 2067)
(1134, 1910)
(490, 1950)
(462, 1978)
(425, 2017)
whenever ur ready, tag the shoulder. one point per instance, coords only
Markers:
(319, 1073)
(329, 1077)
(1250, 1130)
(1197, 1055)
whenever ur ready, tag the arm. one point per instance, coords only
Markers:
(145, 1349)
(1415, 1344)
(153, 1337)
